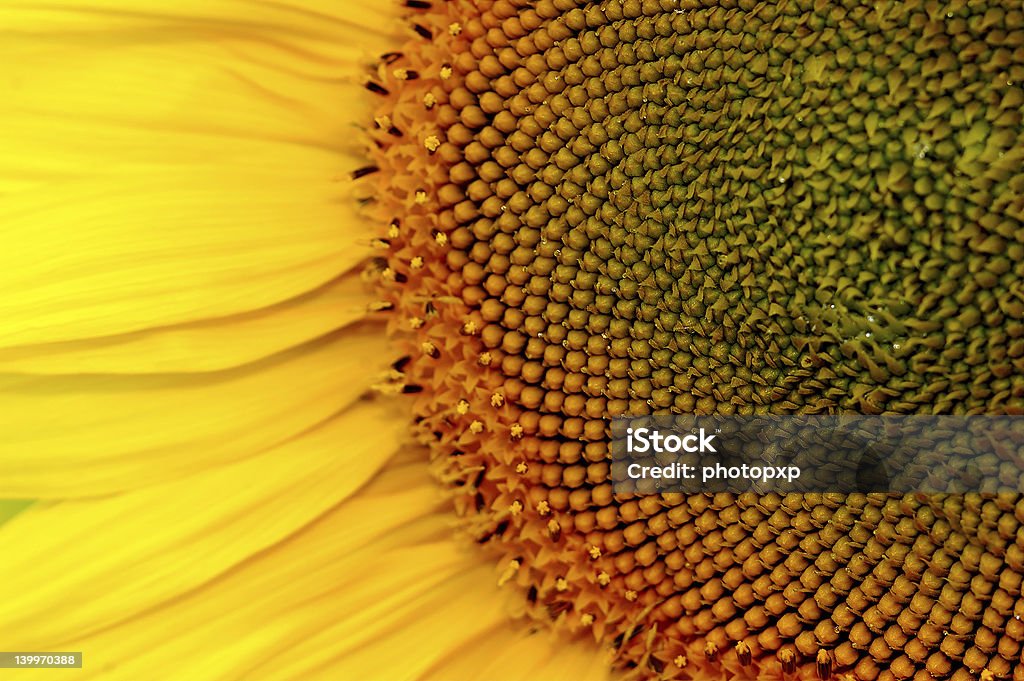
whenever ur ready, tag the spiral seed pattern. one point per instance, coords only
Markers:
(592, 209)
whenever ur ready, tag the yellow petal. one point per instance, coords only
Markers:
(71, 436)
(269, 603)
(97, 257)
(170, 164)
(208, 345)
(92, 564)
(375, 590)
(515, 652)
(160, 74)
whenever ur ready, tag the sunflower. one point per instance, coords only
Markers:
(314, 316)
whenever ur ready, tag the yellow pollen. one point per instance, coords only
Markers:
(454, 29)
(446, 72)
(680, 661)
(522, 468)
(515, 431)
(476, 427)
(428, 348)
(383, 122)
(421, 197)
(469, 328)
(516, 507)
(391, 375)
(387, 274)
(429, 100)
(401, 73)
(389, 383)
(415, 323)
(603, 578)
(497, 399)
(631, 595)
(484, 359)
(586, 619)
(380, 244)
(743, 653)
(432, 143)
(462, 408)
(594, 552)
(509, 572)
(543, 508)
(441, 238)
(393, 231)
(416, 263)
(562, 584)
(387, 388)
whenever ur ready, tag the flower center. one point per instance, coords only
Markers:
(596, 209)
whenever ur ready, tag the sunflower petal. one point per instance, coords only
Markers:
(72, 436)
(170, 164)
(165, 247)
(208, 345)
(268, 604)
(375, 589)
(511, 652)
(100, 562)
